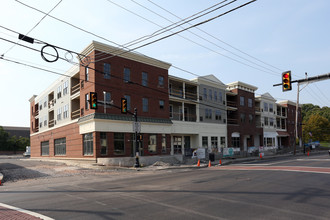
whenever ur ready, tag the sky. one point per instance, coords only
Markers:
(253, 44)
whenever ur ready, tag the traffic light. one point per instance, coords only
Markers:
(140, 137)
(123, 105)
(93, 100)
(286, 81)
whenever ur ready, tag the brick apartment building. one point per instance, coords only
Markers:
(244, 131)
(176, 115)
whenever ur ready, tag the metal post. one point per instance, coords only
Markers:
(297, 106)
(137, 163)
(104, 104)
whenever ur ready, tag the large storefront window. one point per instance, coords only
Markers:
(152, 143)
(45, 148)
(119, 143)
(60, 146)
(88, 144)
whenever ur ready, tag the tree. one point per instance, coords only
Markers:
(316, 128)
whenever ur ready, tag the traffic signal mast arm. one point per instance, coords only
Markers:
(112, 105)
(309, 79)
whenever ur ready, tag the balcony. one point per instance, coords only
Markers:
(232, 121)
(75, 114)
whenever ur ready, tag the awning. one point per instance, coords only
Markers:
(282, 134)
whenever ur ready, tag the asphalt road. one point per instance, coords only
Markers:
(226, 192)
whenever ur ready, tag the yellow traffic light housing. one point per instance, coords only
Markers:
(93, 100)
(286, 81)
(123, 105)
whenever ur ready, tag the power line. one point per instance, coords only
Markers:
(165, 29)
(68, 23)
(33, 26)
(217, 38)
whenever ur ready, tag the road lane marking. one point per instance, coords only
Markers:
(323, 170)
(26, 212)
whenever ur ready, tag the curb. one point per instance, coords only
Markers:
(1, 177)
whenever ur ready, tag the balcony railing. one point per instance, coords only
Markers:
(232, 104)
(187, 117)
(51, 103)
(75, 89)
(75, 114)
(51, 123)
(179, 93)
(232, 121)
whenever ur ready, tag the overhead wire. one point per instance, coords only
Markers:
(33, 27)
(216, 38)
(203, 38)
(169, 27)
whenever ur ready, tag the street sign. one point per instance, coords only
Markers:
(136, 127)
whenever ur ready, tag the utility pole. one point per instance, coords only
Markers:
(301, 81)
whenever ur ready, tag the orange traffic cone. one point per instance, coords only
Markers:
(210, 163)
(220, 163)
(307, 153)
(199, 163)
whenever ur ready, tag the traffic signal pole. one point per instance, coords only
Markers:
(137, 162)
(301, 81)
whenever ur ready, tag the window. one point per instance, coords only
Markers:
(88, 144)
(205, 93)
(152, 143)
(266, 121)
(145, 104)
(45, 148)
(242, 117)
(45, 120)
(65, 88)
(220, 96)
(119, 143)
(250, 103)
(87, 101)
(217, 115)
(271, 109)
(40, 105)
(86, 74)
(271, 121)
(215, 96)
(241, 100)
(171, 111)
(40, 124)
(208, 113)
(177, 144)
(214, 142)
(161, 104)
(128, 103)
(210, 94)
(205, 143)
(66, 111)
(127, 75)
(235, 142)
(250, 118)
(59, 92)
(265, 106)
(107, 97)
(45, 102)
(59, 114)
(60, 146)
(144, 79)
(269, 142)
(106, 70)
(163, 143)
(160, 81)
(104, 143)
(222, 142)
